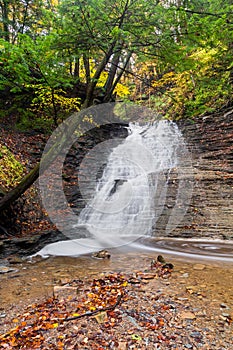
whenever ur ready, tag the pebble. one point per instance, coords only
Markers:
(196, 334)
(185, 275)
(6, 269)
(187, 315)
(201, 313)
(15, 260)
(199, 267)
(122, 345)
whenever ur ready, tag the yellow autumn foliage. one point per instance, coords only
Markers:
(47, 99)
(11, 170)
(121, 90)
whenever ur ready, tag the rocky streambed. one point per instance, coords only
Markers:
(191, 309)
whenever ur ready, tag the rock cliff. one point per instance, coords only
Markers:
(210, 141)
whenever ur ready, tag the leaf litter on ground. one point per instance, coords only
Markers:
(103, 304)
(143, 309)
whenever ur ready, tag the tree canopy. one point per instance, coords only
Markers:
(58, 56)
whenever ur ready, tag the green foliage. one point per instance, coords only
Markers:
(192, 92)
(31, 68)
(28, 121)
(14, 70)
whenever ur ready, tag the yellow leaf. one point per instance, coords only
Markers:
(101, 317)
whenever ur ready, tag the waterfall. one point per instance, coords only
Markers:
(130, 195)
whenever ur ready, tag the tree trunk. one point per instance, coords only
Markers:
(93, 82)
(5, 19)
(118, 78)
(86, 63)
(91, 86)
(2, 191)
(76, 68)
(111, 75)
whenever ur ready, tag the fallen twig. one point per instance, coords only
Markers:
(91, 313)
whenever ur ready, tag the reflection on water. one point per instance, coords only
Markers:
(190, 248)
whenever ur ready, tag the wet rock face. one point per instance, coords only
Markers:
(28, 245)
(210, 141)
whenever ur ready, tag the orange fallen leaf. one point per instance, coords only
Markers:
(15, 320)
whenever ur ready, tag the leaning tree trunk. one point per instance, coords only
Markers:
(111, 74)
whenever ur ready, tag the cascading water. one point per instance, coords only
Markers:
(131, 193)
(132, 190)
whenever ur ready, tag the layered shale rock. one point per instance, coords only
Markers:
(210, 140)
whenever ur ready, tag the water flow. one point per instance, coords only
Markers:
(131, 193)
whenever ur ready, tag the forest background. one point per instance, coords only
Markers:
(57, 56)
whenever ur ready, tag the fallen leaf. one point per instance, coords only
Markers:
(136, 337)
(15, 320)
(101, 317)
